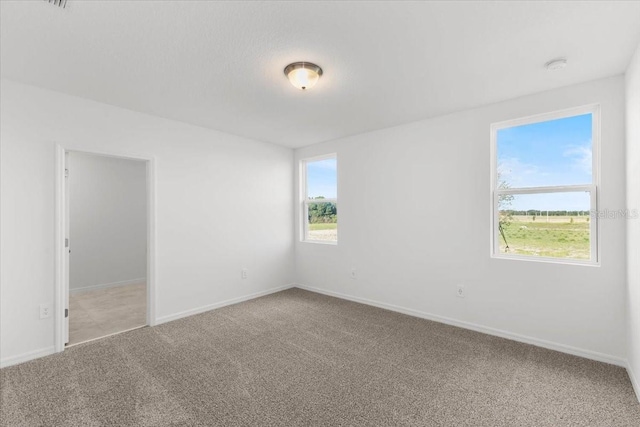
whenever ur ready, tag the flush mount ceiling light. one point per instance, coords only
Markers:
(556, 64)
(303, 75)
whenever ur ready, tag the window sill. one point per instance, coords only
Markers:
(320, 242)
(547, 260)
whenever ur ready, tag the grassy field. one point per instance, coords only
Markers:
(323, 226)
(326, 231)
(557, 237)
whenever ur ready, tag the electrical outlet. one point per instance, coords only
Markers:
(354, 274)
(460, 291)
(45, 310)
(245, 273)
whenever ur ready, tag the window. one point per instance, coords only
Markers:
(544, 187)
(320, 199)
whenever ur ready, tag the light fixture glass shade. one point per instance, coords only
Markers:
(303, 75)
(556, 64)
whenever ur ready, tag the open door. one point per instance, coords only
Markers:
(132, 297)
(67, 249)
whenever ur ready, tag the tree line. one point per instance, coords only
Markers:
(536, 212)
(322, 213)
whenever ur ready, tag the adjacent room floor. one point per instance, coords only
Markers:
(300, 358)
(102, 312)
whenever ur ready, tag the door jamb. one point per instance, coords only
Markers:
(61, 233)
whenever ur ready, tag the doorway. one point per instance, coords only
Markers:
(106, 284)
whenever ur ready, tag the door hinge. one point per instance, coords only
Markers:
(66, 312)
(66, 242)
(66, 173)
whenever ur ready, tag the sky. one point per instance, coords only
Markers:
(551, 153)
(322, 179)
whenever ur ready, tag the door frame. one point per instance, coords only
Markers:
(61, 232)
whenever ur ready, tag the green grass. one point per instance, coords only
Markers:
(323, 226)
(558, 238)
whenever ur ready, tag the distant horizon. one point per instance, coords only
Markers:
(544, 211)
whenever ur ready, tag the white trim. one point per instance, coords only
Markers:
(321, 242)
(209, 307)
(320, 157)
(556, 189)
(25, 357)
(592, 188)
(588, 354)
(634, 381)
(151, 242)
(545, 117)
(106, 336)
(106, 285)
(531, 258)
(301, 196)
(60, 267)
(60, 234)
(600, 357)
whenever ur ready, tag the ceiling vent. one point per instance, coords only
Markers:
(59, 3)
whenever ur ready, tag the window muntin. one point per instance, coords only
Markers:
(320, 200)
(544, 177)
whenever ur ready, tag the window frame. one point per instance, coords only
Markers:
(304, 200)
(592, 188)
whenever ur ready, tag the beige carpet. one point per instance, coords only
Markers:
(98, 313)
(300, 359)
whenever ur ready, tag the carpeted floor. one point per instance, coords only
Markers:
(101, 312)
(300, 358)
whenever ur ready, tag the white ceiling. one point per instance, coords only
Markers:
(220, 64)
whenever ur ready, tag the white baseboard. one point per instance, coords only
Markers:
(588, 354)
(634, 382)
(600, 357)
(25, 357)
(107, 285)
(105, 336)
(198, 310)
(35, 354)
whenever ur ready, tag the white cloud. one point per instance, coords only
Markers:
(581, 157)
(515, 172)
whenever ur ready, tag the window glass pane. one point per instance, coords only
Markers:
(555, 225)
(323, 222)
(322, 179)
(551, 153)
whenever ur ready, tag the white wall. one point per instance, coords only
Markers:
(414, 180)
(633, 225)
(405, 197)
(108, 220)
(222, 203)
